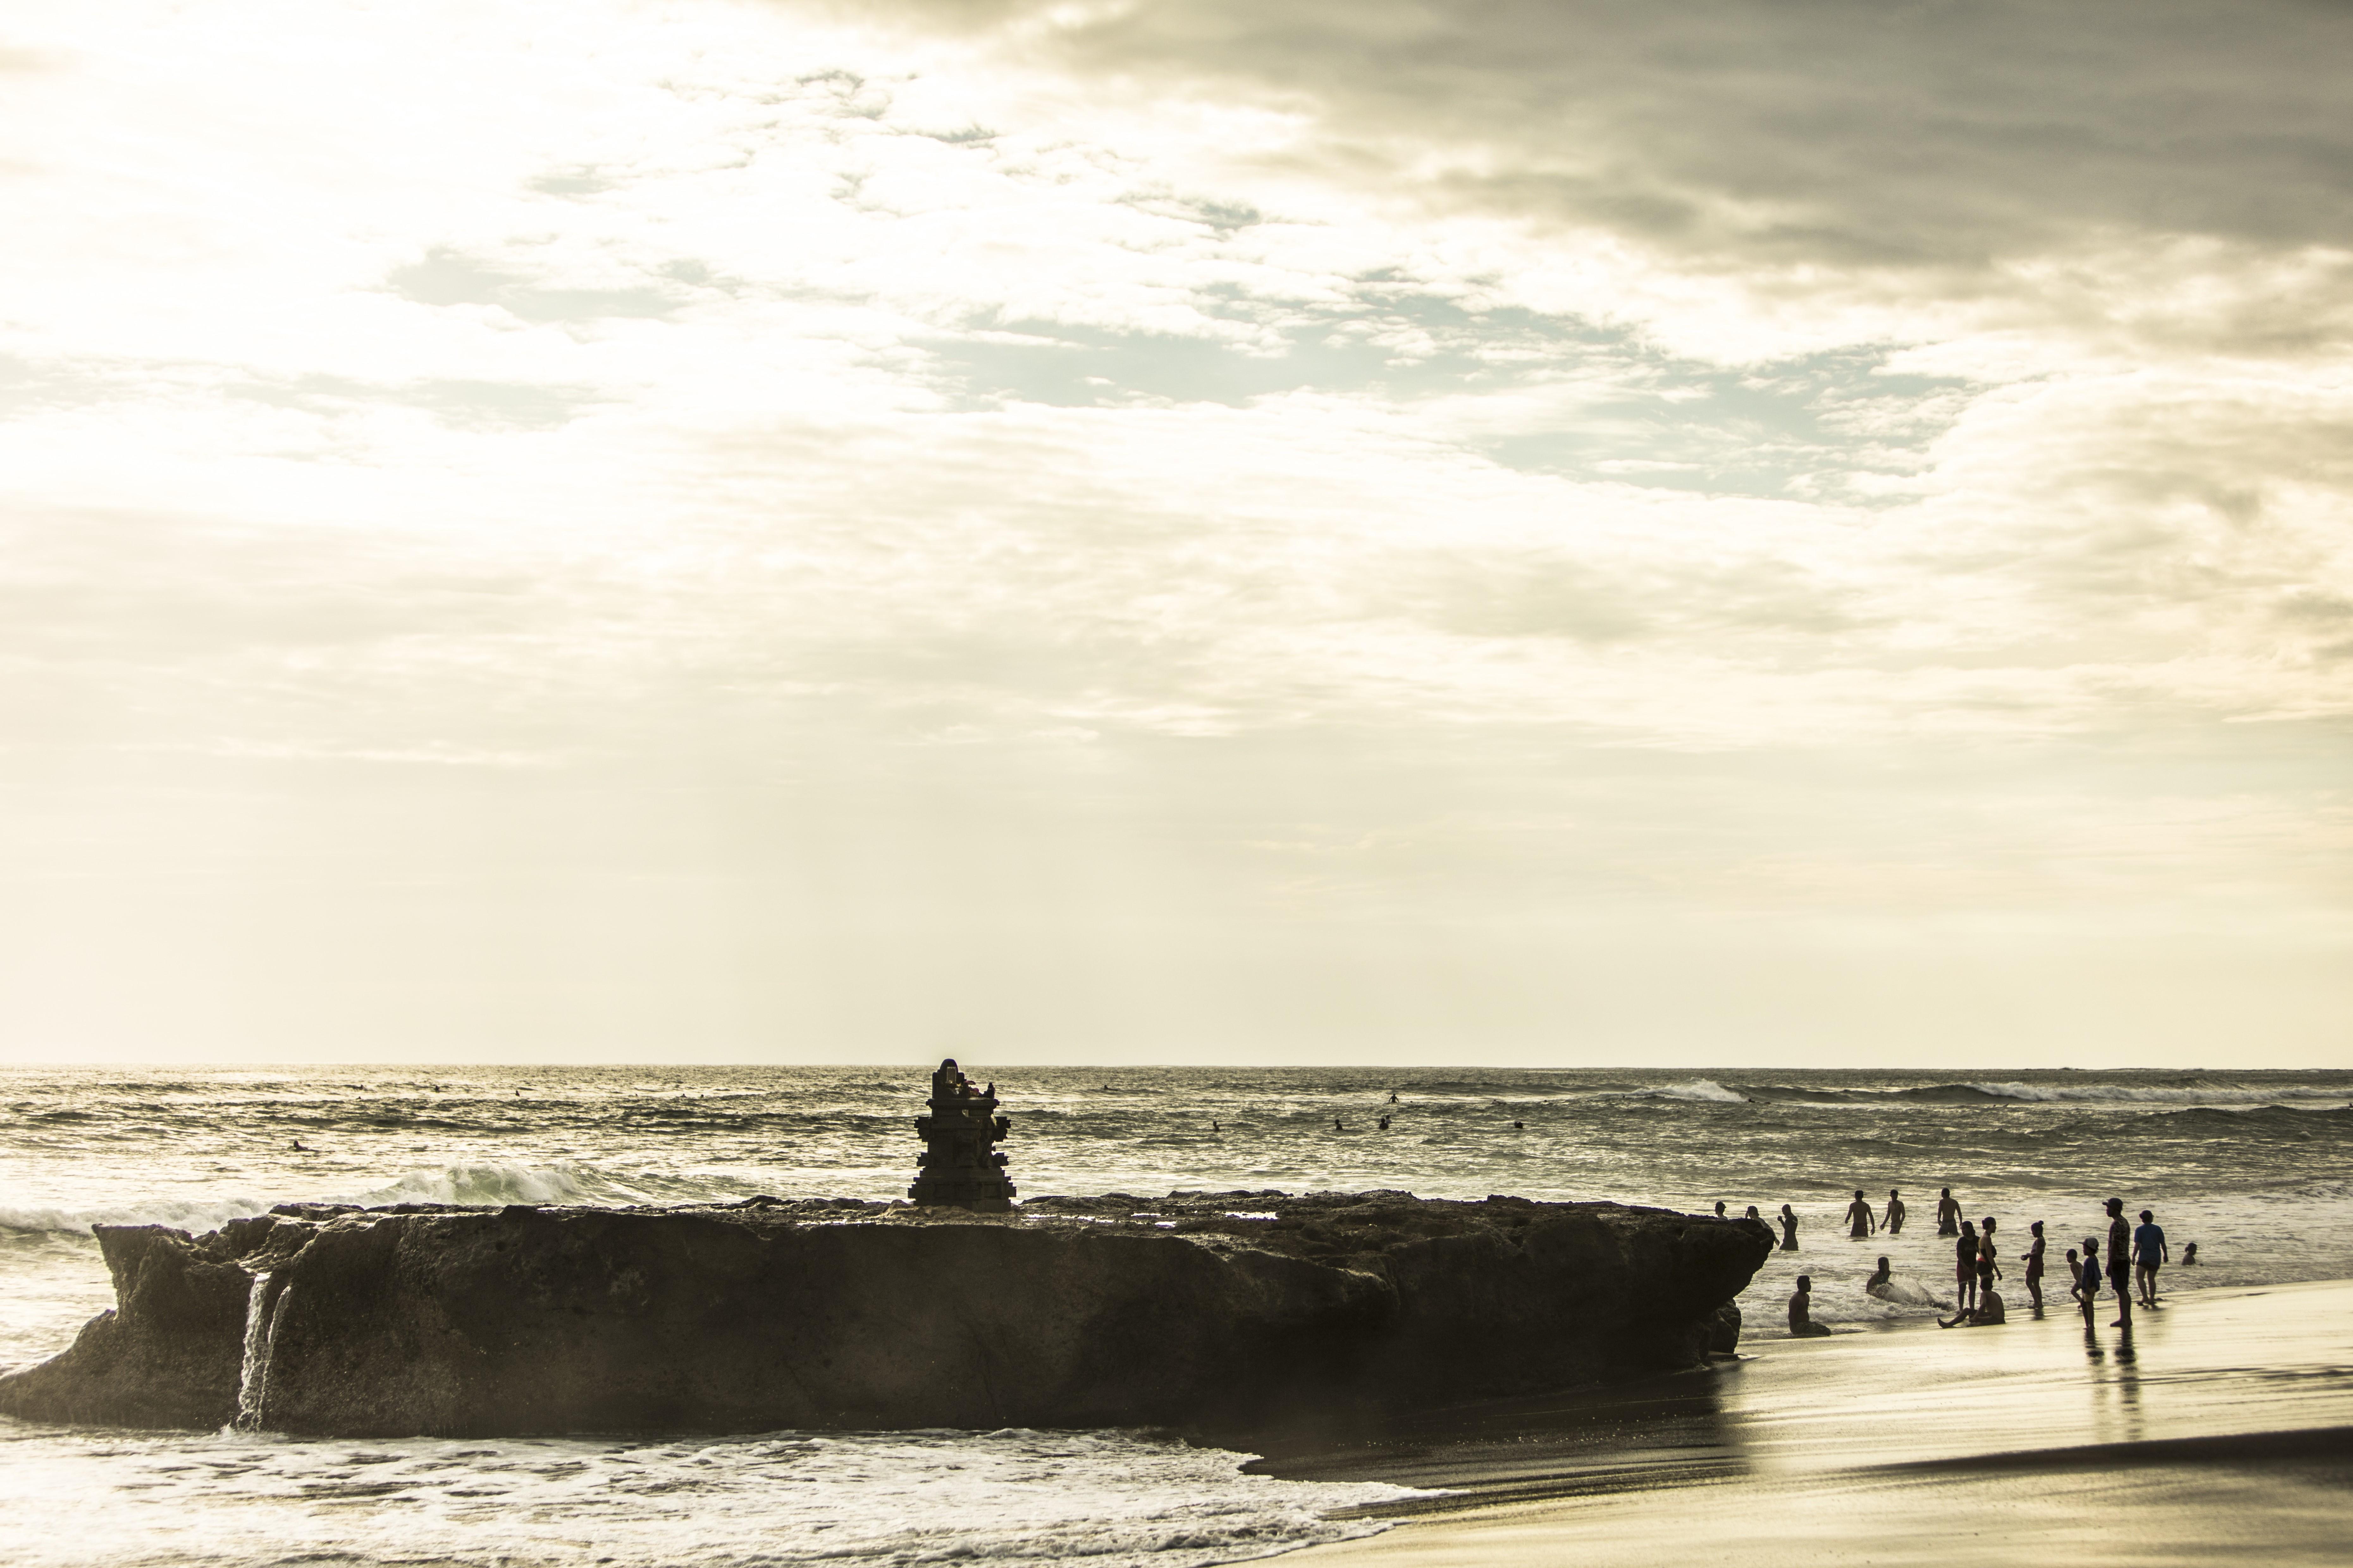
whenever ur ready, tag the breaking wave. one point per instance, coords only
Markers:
(1706, 1092)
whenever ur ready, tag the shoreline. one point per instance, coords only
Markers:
(2223, 1421)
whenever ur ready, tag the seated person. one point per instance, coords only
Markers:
(1985, 1314)
(1802, 1313)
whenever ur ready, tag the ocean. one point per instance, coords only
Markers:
(2253, 1167)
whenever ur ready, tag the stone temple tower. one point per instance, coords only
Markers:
(959, 1166)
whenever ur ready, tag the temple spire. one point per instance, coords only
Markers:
(959, 1166)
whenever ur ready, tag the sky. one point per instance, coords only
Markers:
(1546, 533)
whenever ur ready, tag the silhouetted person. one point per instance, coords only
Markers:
(1881, 1284)
(2033, 1257)
(2087, 1282)
(2120, 1261)
(1752, 1213)
(1521, 1126)
(1949, 1213)
(1719, 1208)
(1988, 1258)
(1789, 1229)
(1965, 1266)
(1393, 1099)
(1801, 1311)
(2148, 1252)
(2190, 1254)
(297, 1147)
(1894, 1223)
(1335, 1125)
(1985, 1314)
(1860, 1221)
(1384, 1123)
(1213, 1125)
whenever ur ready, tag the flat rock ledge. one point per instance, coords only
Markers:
(1197, 1309)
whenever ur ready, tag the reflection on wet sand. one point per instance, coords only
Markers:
(1900, 1446)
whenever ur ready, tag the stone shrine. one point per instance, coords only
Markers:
(959, 1167)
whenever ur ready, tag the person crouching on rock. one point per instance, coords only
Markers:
(1802, 1313)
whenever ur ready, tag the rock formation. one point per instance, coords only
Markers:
(1214, 1310)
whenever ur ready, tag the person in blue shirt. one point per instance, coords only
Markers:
(2148, 1252)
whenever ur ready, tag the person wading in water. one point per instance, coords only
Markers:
(2120, 1261)
(1860, 1221)
(1949, 1213)
(2033, 1256)
(1894, 1223)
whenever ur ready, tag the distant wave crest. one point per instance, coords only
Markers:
(1702, 1089)
(582, 1184)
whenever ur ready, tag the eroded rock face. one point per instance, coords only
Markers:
(1074, 1312)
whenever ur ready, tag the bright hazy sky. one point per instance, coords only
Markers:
(1541, 533)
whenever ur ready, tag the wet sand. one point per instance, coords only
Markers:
(2222, 1425)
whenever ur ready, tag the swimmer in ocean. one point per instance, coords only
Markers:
(1893, 1222)
(1788, 1229)
(1949, 1213)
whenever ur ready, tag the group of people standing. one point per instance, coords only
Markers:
(2134, 1254)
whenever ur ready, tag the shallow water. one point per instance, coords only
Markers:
(2252, 1166)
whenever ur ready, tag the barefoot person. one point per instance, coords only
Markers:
(1802, 1313)
(1894, 1223)
(2120, 1261)
(2087, 1283)
(1965, 1266)
(1987, 1312)
(1860, 1221)
(1788, 1229)
(1949, 1213)
(1988, 1259)
(2148, 1252)
(2033, 1257)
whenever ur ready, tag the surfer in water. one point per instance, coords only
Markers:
(1949, 1213)
(1883, 1286)
(1894, 1223)
(1860, 1221)
(1788, 1229)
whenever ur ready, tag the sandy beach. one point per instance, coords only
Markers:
(2221, 1425)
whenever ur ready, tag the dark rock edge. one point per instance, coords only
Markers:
(1183, 1310)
